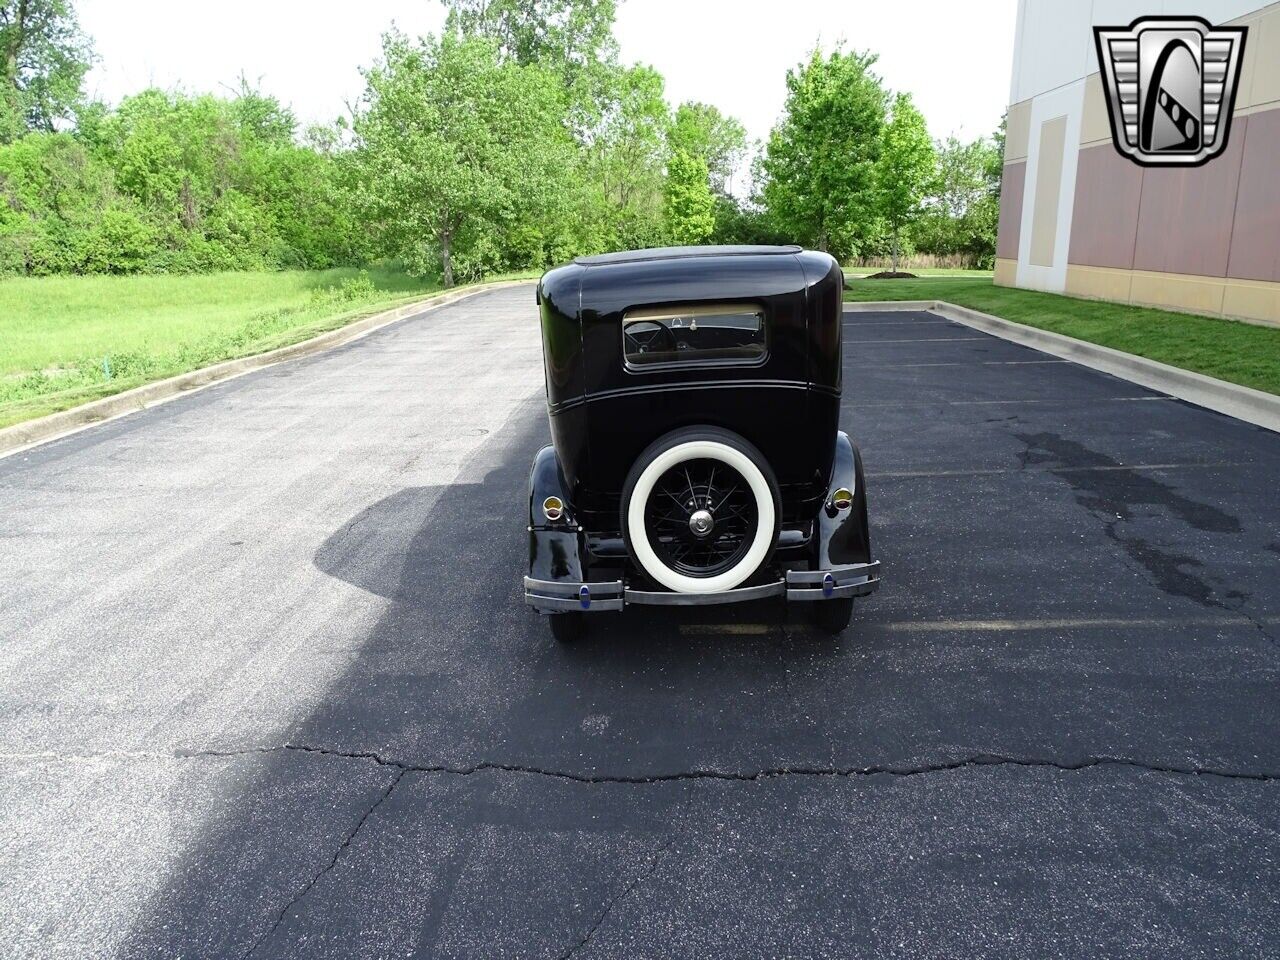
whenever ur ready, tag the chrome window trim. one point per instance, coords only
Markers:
(694, 311)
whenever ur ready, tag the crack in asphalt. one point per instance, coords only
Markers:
(337, 855)
(1258, 625)
(769, 773)
(742, 776)
(403, 769)
(659, 856)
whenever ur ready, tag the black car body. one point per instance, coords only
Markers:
(731, 356)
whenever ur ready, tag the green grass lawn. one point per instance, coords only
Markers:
(68, 340)
(1240, 352)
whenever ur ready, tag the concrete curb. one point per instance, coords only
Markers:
(23, 436)
(890, 306)
(1243, 403)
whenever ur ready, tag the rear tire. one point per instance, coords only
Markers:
(567, 627)
(832, 616)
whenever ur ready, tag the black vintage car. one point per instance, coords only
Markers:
(694, 398)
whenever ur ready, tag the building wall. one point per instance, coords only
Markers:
(1076, 217)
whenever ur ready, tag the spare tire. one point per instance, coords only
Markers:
(700, 510)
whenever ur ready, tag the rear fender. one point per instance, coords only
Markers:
(555, 547)
(842, 535)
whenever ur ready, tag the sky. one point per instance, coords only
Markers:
(733, 55)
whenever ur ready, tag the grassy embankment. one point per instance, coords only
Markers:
(1239, 352)
(67, 340)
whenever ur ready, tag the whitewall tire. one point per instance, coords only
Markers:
(701, 444)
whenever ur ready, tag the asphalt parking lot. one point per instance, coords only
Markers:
(267, 688)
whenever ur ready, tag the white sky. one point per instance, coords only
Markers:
(953, 58)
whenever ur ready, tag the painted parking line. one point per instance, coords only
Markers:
(923, 340)
(901, 323)
(1068, 623)
(1122, 467)
(989, 403)
(954, 363)
(987, 626)
(725, 629)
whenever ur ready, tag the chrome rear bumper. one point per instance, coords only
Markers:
(554, 596)
(852, 580)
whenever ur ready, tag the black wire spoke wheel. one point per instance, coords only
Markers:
(701, 517)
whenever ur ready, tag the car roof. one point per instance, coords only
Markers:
(681, 253)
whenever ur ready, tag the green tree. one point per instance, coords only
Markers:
(167, 182)
(610, 193)
(53, 192)
(563, 35)
(623, 157)
(689, 207)
(963, 206)
(455, 146)
(819, 163)
(743, 222)
(986, 212)
(170, 152)
(905, 168)
(261, 117)
(700, 130)
(43, 60)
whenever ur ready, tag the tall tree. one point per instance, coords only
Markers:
(262, 116)
(688, 204)
(563, 35)
(624, 153)
(454, 144)
(904, 169)
(43, 60)
(720, 141)
(963, 206)
(820, 160)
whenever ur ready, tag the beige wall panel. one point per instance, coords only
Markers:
(1194, 294)
(1006, 273)
(1105, 219)
(1260, 73)
(1098, 283)
(1095, 125)
(1255, 232)
(1184, 223)
(1244, 89)
(1017, 133)
(1259, 302)
(1012, 184)
(1044, 216)
(1251, 300)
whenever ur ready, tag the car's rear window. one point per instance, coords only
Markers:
(699, 333)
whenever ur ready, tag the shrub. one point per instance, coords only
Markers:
(119, 243)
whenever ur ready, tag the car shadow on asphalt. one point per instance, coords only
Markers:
(457, 640)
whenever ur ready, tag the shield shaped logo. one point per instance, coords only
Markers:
(1170, 84)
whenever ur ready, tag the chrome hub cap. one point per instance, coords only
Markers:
(701, 522)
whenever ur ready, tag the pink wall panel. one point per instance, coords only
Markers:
(1185, 217)
(1255, 238)
(1104, 222)
(1011, 185)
